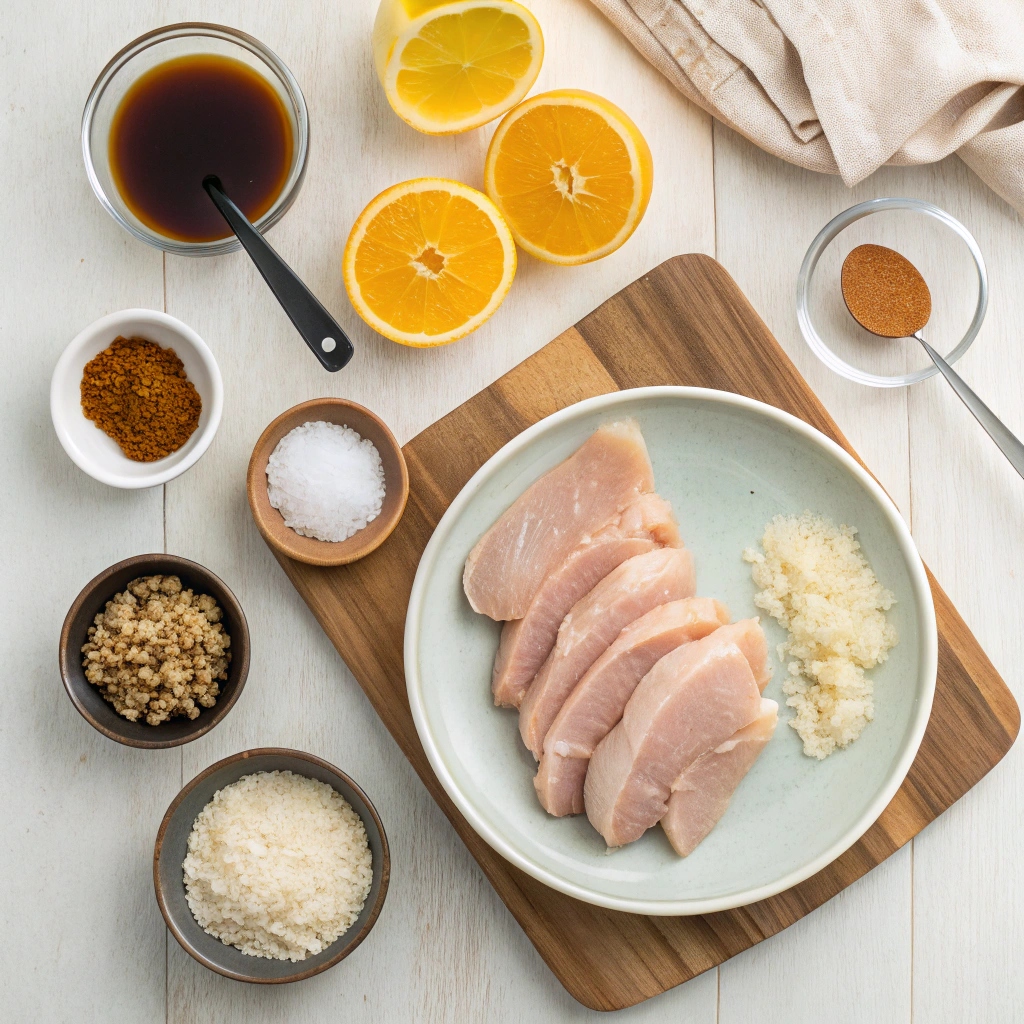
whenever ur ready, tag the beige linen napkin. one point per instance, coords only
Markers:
(844, 86)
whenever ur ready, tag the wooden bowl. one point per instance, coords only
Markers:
(396, 484)
(172, 845)
(86, 697)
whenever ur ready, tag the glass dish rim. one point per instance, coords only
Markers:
(228, 34)
(821, 242)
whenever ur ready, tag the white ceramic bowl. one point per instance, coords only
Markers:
(727, 464)
(88, 446)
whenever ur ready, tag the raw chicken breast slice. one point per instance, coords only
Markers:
(691, 701)
(596, 704)
(626, 593)
(569, 503)
(749, 637)
(701, 795)
(525, 643)
(559, 783)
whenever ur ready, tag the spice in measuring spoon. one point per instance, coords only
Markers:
(886, 295)
(884, 292)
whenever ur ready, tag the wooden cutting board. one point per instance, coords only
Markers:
(686, 322)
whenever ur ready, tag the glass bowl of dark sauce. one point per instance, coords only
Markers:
(183, 102)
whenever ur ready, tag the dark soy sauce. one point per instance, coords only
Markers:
(194, 116)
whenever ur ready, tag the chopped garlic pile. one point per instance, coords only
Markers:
(816, 583)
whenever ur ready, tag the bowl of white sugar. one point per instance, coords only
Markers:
(327, 482)
(271, 866)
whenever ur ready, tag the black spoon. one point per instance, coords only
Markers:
(321, 331)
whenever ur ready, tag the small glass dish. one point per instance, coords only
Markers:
(155, 48)
(941, 248)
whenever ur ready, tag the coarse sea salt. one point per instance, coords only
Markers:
(326, 481)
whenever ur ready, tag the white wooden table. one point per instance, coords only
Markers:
(934, 935)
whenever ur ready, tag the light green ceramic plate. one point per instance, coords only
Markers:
(727, 464)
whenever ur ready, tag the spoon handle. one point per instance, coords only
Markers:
(321, 332)
(1008, 443)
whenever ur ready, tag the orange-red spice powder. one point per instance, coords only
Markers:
(884, 291)
(139, 394)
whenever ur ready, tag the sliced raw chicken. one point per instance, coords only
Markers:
(701, 795)
(553, 516)
(691, 701)
(626, 593)
(596, 704)
(559, 783)
(749, 637)
(525, 643)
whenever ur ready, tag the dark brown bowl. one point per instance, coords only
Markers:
(270, 522)
(172, 845)
(86, 697)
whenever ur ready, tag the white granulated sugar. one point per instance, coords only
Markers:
(278, 865)
(326, 480)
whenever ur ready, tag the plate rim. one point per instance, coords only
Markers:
(927, 672)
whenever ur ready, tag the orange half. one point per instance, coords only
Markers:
(572, 175)
(428, 261)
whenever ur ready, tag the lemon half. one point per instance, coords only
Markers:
(449, 67)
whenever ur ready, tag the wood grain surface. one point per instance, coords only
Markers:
(686, 322)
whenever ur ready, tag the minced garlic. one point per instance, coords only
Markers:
(816, 582)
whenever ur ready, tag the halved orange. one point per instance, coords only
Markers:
(572, 175)
(451, 65)
(428, 261)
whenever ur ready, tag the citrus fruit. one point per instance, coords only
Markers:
(428, 261)
(448, 67)
(571, 173)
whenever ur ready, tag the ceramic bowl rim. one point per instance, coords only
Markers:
(346, 947)
(333, 554)
(241, 649)
(925, 682)
(62, 417)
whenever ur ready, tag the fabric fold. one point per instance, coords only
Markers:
(844, 88)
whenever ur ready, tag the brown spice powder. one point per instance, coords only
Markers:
(139, 394)
(884, 292)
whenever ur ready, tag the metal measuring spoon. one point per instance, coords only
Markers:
(886, 294)
(319, 329)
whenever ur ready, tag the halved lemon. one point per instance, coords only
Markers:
(448, 67)
(428, 261)
(571, 173)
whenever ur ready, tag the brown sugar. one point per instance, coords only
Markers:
(158, 651)
(139, 394)
(884, 292)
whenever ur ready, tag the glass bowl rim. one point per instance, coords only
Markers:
(247, 42)
(821, 242)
